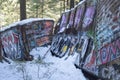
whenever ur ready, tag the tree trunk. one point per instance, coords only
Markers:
(64, 5)
(22, 9)
(71, 4)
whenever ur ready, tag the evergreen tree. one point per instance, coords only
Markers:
(22, 9)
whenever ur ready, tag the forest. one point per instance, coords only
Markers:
(10, 9)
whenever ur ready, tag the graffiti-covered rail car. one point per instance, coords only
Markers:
(97, 23)
(19, 38)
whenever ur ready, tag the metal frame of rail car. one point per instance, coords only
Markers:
(56, 50)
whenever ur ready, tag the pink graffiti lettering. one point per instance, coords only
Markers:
(109, 52)
(9, 38)
(105, 56)
(15, 38)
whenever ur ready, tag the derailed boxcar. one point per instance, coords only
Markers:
(97, 23)
(20, 38)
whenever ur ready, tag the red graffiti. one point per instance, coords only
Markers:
(110, 52)
(9, 38)
(104, 54)
(4, 40)
(15, 38)
(92, 60)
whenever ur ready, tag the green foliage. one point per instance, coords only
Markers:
(10, 10)
(91, 34)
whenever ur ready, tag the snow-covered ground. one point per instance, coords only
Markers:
(50, 68)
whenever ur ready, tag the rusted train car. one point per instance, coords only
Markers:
(19, 38)
(97, 42)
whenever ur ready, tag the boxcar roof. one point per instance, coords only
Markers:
(24, 22)
(66, 11)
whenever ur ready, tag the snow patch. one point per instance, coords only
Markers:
(51, 68)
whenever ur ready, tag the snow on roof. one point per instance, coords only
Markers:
(24, 22)
(67, 11)
(72, 8)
